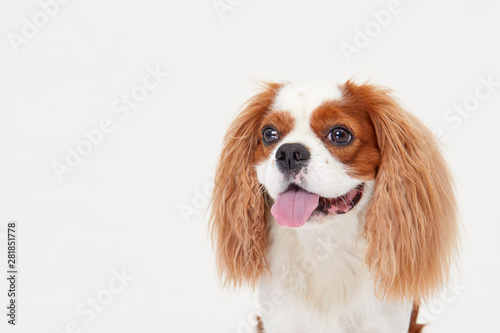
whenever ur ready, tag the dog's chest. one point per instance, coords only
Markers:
(320, 284)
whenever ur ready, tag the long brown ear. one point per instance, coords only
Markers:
(239, 208)
(411, 223)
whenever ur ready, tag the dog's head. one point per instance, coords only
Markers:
(310, 154)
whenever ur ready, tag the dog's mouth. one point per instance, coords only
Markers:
(293, 207)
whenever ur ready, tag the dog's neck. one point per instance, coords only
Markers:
(320, 274)
(313, 261)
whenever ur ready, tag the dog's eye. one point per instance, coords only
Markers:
(340, 135)
(269, 135)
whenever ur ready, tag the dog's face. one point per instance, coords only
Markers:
(316, 153)
(320, 152)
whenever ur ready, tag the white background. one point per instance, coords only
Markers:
(120, 209)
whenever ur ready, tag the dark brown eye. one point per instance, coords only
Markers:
(340, 136)
(269, 135)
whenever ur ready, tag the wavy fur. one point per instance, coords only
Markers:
(411, 224)
(239, 207)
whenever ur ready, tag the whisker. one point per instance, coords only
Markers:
(342, 197)
(352, 203)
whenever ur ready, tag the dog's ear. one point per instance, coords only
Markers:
(239, 207)
(411, 224)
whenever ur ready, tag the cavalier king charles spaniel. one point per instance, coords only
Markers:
(338, 205)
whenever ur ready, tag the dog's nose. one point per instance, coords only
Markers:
(292, 157)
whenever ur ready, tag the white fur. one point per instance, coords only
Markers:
(324, 175)
(319, 281)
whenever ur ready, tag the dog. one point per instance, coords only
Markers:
(338, 205)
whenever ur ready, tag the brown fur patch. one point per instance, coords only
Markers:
(414, 327)
(283, 122)
(238, 207)
(362, 154)
(411, 223)
(260, 325)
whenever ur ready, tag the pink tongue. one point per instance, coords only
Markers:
(292, 208)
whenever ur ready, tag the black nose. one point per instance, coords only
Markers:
(291, 157)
